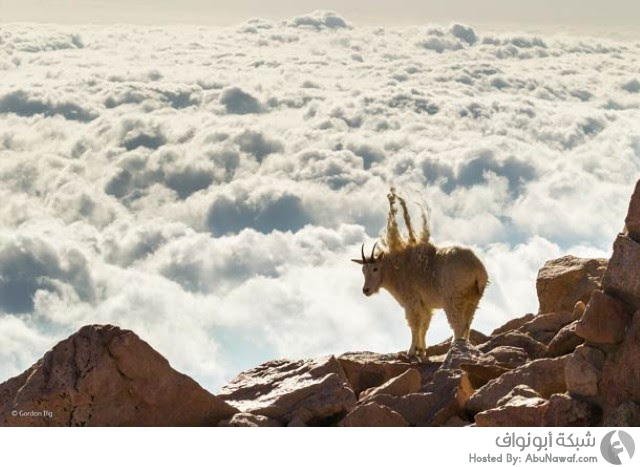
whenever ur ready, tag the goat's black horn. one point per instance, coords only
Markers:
(373, 251)
(364, 260)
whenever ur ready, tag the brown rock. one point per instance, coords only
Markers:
(543, 328)
(444, 398)
(475, 338)
(565, 341)
(521, 390)
(605, 320)
(621, 373)
(480, 374)
(509, 357)
(564, 410)
(407, 383)
(107, 376)
(465, 352)
(456, 421)
(578, 310)
(632, 221)
(626, 414)
(373, 415)
(249, 420)
(622, 279)
(305, 391)
(365, 370)
(519, 411)
(583, 371)
(564, 281)
(545, 376)
(513, 324)
(532, 347)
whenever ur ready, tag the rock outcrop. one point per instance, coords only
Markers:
(106, 376)
(574, 363)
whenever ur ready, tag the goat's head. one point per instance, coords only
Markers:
(372, 270)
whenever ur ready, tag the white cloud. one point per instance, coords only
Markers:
(207, 187)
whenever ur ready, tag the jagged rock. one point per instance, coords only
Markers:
(578, 310)
(626, 414)
(509, 357)
(605, 320)
(373, 414)
(407, 383)
(513, 324)
(480, 374)
(632, 221)
(475, 337)
(521, 390)
(442, 399)
(463, 351)
(544, 327)
(564, 410)
(305, 391)
(583, 371)
(622, 279)
(519, 411)
(621, 373)
(365, 370)
(545, 376)
(532, 347)
(565, 341)
(107, 376)
(249, 420)
(564, 281)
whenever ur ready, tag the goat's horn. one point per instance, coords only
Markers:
(364, 260)
(373, 251)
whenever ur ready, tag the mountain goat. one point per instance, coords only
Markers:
(423, 277)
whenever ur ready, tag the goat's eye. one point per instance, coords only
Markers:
(375, 269)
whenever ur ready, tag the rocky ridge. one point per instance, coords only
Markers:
(574, 363)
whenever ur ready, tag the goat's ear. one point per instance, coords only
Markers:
(380, 256)
(359, 261)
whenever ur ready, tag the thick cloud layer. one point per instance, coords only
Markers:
(207, 187)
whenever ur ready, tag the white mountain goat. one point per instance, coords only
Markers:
(423, 277)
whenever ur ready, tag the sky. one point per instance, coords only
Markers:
(544, 12)
(206, 187)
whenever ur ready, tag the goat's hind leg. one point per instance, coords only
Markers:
(456, 311)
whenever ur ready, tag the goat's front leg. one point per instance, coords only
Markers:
(415, 333)
(425, 320)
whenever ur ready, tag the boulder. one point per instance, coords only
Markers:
(621, 372)
(532, 347)
(565, 341)
(106, 376)
(304, 391)
(407, 383)
(519, 411)
(479, 374)
(583, 371)
(475, 338)
(442, 399)
(513, 324)
(249, 420)
(543, 328)
(622, 279)
(521, 390)
(605, 320)
(632, 221)
(365, 370)
(373, 415)
(564, 281)
(463, 351)
(564, 410)
(546, 376)
(509, 357)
